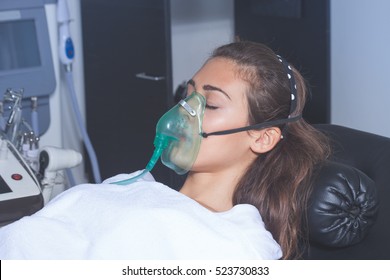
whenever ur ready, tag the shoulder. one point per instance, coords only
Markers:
(243, 215)
(250, 227)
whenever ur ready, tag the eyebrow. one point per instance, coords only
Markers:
(209, 88)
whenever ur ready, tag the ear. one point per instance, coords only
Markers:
(265, 140)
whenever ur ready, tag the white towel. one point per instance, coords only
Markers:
(144, 220)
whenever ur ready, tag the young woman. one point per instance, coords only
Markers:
(245, 84)
(245, 193)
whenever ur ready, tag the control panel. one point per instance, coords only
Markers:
(20, 192)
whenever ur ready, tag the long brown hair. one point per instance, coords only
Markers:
(278, 182)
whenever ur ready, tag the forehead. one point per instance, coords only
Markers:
(222, 73)
(219, 68)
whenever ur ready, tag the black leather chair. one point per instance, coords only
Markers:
(349, 210)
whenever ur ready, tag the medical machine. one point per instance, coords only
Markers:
(20, 192)
(26, 81)
(28, 172)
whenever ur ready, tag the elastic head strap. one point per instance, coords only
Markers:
(252, 127)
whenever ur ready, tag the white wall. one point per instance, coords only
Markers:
(198, 26)
(360, 64)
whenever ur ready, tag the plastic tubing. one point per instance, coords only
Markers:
(2, 120)
(156, 154)
(35, 122)
(83, 130)
(161, 141)
(2, 123)
(132, 179)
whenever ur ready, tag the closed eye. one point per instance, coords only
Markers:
(211, 107)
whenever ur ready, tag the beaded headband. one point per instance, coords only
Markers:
(293, 85)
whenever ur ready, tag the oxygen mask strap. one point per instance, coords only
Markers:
(252, 127)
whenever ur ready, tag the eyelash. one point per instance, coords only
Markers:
(211, 107)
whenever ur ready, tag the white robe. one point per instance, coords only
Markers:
(144, 220)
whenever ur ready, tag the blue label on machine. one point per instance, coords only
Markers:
(69, 48)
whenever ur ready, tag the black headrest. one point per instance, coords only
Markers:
(365, 151)
(343, 205)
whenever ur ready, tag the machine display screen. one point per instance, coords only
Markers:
(26, 61)
(18, 45)
(4, 188)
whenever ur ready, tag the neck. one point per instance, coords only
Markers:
(212, 190)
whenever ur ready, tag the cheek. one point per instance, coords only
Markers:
(221, 151)
(212, 123)
(223, 119)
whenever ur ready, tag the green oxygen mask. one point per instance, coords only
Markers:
(178, 137)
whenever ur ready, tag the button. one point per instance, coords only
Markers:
(16, 176)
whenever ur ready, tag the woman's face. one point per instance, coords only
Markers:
(226, 108)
